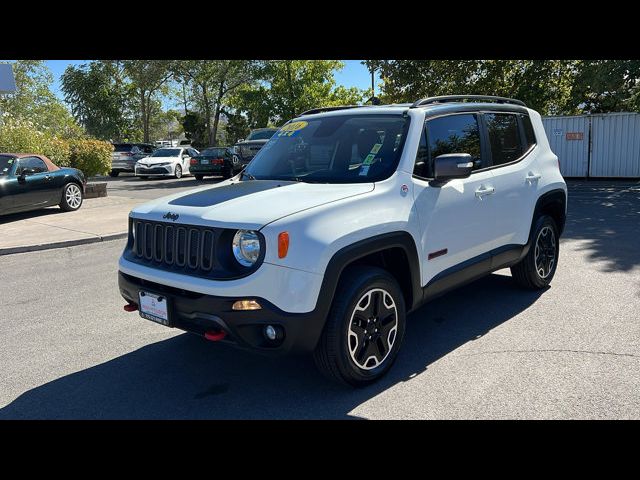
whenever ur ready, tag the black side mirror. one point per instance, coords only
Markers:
(25, 172)
(452, 165)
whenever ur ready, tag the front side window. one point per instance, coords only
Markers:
(333, 149)
(423, 167)
(32, 163)
(455, 134)
(504, 137)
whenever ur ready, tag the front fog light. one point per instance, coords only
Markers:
(246, 247)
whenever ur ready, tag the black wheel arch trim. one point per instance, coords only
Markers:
(351, 253)
(557, 195)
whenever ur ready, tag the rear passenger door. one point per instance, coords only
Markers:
(456, 222)
(513, 156)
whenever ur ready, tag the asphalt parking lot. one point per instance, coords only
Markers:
(488, 350)
(128, 185)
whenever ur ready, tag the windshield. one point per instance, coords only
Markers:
(5, 165)
(262, 134)
(167, 152)
(332, 149)
(214, 152)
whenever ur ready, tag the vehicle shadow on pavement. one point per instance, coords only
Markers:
(188, 377)
(31, 215)
(607, 216)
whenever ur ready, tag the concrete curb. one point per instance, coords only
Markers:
(66, 243)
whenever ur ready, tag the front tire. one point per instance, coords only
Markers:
(537, 268)
(364, 328)
(72, 197)
(178, 172)
(114, 173)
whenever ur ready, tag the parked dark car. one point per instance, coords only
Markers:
(125, 156)
(31, 182)
(247, 149)
(215, 161)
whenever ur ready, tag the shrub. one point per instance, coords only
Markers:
(93, 157)
(21, 136)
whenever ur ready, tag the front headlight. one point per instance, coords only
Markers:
(246, 247)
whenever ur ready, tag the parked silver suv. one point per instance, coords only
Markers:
(125, 156)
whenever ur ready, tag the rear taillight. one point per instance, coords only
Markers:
(218, 161)
(194, 161)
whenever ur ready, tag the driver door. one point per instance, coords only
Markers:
(34, 189)
(456, 220)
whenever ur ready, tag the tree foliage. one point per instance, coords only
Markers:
(549, 86)
(100, 99)
(34, 101)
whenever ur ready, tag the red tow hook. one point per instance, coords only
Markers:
(130, 307)
(215, 336)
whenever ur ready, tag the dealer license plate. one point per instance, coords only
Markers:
(204, 162)
(154, 307)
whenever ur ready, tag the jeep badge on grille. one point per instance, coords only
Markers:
(171, 216)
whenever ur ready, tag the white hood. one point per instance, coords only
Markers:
(248, 204)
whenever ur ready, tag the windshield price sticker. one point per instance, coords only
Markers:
(376, 148)
(291, 129)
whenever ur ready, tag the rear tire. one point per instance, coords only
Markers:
(364, 328)
(113, 173)
(198, 177)
(72, 197)
(537, 268)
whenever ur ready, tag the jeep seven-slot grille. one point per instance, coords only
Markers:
(177, 247)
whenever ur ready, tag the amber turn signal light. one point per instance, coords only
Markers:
(246, 305)
(283, 244)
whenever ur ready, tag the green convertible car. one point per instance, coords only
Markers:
(30, 182)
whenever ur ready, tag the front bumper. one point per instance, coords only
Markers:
(164, 170)
(199, 313)
(123, 166)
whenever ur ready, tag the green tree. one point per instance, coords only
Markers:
(148, 79)
(545, 85)
(100, 99)
(213, 82)
(35, 102)
(605, 86)
(289, 87)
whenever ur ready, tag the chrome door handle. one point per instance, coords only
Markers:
(532, 177)
(482, 191)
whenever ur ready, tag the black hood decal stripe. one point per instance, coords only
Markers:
(216, 195)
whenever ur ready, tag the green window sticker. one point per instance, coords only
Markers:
(376, 148)
(369, 159)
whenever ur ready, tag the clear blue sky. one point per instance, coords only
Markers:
(354, 74)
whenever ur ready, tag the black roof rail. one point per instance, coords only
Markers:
(328, 109)
(461, 98)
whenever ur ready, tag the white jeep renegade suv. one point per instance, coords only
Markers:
(345, 221)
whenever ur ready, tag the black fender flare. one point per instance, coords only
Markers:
(347, 255)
